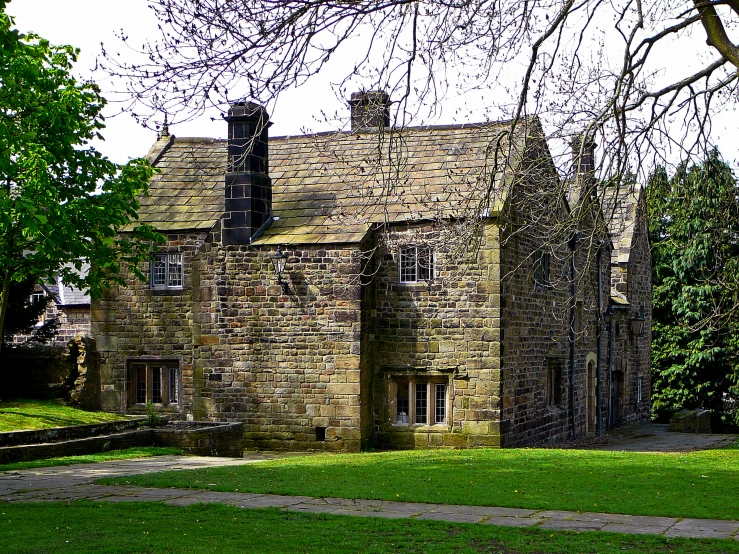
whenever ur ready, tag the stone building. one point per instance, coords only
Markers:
(397, 288)
(69, 305)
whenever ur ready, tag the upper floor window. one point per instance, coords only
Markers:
(541, 269)
(166, 271)
(415, 264)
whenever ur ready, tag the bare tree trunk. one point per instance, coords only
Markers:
(4, 299)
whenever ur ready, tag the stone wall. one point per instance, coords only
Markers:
(445, 331)
(547, 392)
(284, 362)
(138, 323)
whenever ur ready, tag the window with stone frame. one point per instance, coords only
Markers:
(157, 382)
(416, 264)
(420, 401)
(554, 381)
(542, 264)
(167, 271)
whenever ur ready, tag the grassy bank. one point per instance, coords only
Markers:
(699, 484)
(27, 415)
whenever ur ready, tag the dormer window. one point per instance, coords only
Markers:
(415, 264)
(167, 271)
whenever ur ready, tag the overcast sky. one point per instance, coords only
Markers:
(87, 23)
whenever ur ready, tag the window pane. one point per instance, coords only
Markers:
(440, 407)
(402, 403)
(421, 403)
(173, 386)
(425, 264)
(408, 265)
(159, 271)
(175, 270)
(140, 384)
(156, 385)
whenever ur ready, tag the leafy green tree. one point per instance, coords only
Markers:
(23, 315)
(694, 231)
(61, 202)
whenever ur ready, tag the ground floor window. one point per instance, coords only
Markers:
(420, 401)
(157, 382)
(554, 382)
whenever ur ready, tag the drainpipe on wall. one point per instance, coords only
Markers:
(599, 348)
(573, 292)
(610, 373)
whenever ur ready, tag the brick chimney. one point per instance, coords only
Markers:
(248, 193)
(370, 110)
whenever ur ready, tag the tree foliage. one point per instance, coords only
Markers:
(694, 230)
(61, 202)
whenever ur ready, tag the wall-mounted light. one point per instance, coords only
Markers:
(637, 324)
(278, 262)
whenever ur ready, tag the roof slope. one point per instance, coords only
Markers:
(332, 187)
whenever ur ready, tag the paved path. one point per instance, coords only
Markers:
(654, 437)
(76, 483)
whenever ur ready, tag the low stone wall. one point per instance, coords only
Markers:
(202, 438)
(695, 421)
(59, 434)
(195, 438)
(76, 447)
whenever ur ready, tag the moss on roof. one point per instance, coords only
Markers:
(332, 187)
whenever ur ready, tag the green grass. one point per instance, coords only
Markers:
(699, 484)
(126, 454)
(82, 527)
(26, 415)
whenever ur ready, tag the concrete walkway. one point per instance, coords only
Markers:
(66, 483)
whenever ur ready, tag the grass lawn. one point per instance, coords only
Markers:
(699, 484)
(126, 454)
(154, 527)
(26, 415)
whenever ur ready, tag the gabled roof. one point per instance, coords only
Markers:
(332, 187)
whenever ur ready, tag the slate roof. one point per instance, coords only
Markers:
(332, 187)
(66, 295)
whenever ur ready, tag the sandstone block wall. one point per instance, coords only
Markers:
(447, 331)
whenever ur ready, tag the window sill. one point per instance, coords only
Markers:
(421, 426)
(168, 292)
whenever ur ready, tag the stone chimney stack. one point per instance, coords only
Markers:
(370, 110)
(248, 193)
(583, 163)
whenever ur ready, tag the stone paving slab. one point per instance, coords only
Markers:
(703, 528)
(483, 511)
(513, 521)
(451, 516)
(633, 529)
(649, 521)
(572, 525)
(556, 514)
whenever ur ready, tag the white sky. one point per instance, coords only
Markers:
(87, 23)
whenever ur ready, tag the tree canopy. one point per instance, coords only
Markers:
(61, 202)
(614, 69)
(694, 231)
